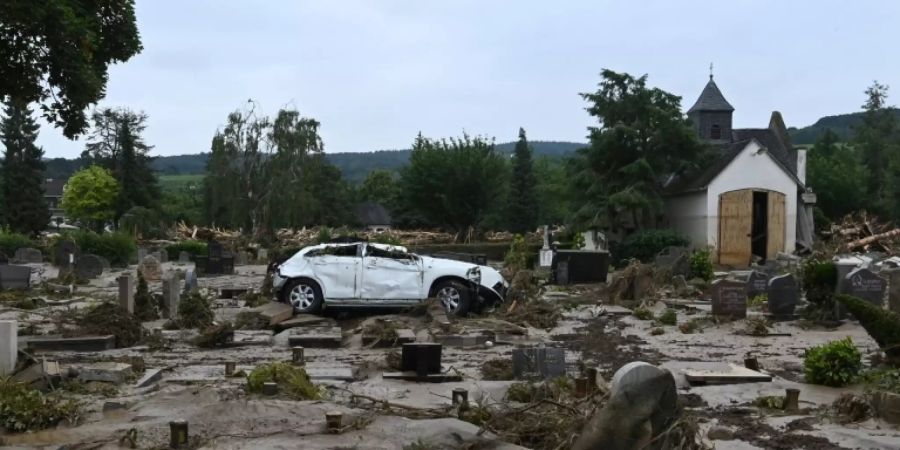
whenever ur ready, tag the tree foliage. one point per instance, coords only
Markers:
(641, 139)
(116, 144)
(836, 173)
(25, 210)
(264, 173)
(57, 52)
(522, 207)
(877, 142)
(452, 182)
(90, 196)
(380, 186)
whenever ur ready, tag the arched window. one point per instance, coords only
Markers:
(715, 132)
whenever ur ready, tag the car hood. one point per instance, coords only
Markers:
(489, 276)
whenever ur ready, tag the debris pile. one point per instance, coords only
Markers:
(861, 232)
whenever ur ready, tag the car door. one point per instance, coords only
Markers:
(337, 268)
(391, 275)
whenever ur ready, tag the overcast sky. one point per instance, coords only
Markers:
(375, 73)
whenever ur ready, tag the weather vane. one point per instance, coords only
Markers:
(710, 71)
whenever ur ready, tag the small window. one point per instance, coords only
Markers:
(715, 132)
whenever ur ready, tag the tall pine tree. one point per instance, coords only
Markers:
(522, 213)
(25, 210)
(876, 139)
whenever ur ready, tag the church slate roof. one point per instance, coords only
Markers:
(770, 140)
(711, 99)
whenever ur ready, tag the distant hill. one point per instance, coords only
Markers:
(841, 124)
(355, 166)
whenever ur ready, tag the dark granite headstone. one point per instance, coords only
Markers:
(422, 358)
(865, 284)
(539, 362)
(89, 267)
(66, 254)
(757, 284)
(583, 266)
(783, 294)
(893, 276)
(215, 249)
(729, 298)
(15, 277)
(562, 272)
(28, 255)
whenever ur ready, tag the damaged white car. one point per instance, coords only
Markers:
(366, 274)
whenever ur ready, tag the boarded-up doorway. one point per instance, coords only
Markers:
(750, 222)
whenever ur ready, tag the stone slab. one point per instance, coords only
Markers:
(330, 373)
(733, 375)
(76, 344)
(315, 337)
(275, 312)
(458, 340)
(887, 406)
(150, 376)
(9, 330)
(305, 320)
(429, 378)
(233, 292)
(244, 338)
(15, 277)
(108, 372)
(38, 372)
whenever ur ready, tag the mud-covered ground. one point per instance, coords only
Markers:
(222, 415)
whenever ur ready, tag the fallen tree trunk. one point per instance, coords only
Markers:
(874, 238)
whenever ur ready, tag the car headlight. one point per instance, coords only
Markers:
(474, 275)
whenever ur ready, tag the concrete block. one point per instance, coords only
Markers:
(108, 372)
(315, 337)
(305, 320)
(37, 375)
(275, 312)
(126, 292)
(150, 376)
(76, 344)
(171, 293)
(9, 346)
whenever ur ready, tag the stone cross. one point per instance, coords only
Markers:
(126, 292)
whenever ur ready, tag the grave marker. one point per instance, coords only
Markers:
(150, 268)
(184, 257)
(422, 358)
(865, 284)
(126, 292)
(757, 284)
(89, 267)
(142, 253)
(729, 298)
(28, 255)
(783, 295)
(66, 254)
(893, 276)
(3, 259)
(171, 293)
(9, 346)
(262, 255)
(539, 362)
(15, 277)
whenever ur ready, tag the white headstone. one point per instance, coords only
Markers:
(9, 346)
(126, 292)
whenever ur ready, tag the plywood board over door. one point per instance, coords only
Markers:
(735, 225)
(776, 221)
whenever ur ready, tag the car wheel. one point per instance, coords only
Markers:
(304, 295)
(455, 296)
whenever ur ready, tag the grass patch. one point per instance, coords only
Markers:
(835, 364)
(643, 313)
(292, 381)
(25, 409)
(668, 317)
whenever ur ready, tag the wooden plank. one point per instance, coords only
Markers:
(735, 224)
(734, 375)
(775, 232)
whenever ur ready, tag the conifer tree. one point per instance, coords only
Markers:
(25, 210)
(522, 214)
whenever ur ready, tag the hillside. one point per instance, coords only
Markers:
(355, 166)
(841, 124)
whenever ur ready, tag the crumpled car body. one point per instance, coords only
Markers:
(366, 274)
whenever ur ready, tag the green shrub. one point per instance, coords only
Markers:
(117, 248)
(882, 325)
(10, 242)
(110, 318)
(517, 257)
(292, 381)
(836, 363)
(193, 247)
(645, 245)
(820, 281)
(701, 264)
(386, 238)
(323, 236)
(642, 313)
(668, 317)
(882, 380)
(195, 311)
(758, 301)
(144, 306)
(143, 222)
(26, 409)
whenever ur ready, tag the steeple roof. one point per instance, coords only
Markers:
(711, 99)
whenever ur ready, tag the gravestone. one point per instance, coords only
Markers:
(89, 267)
(142, 253)
(893, 277)
(865, 284)
(218, 261)
(126, 292)
(190, 281)
(262, 256)
(729, 298)
(28, 255)
(539, 362)
(163, 256)
(422, 358)
(9, 346)
(171, 293)
(215, 249)
(3, 258)
(757, 284)
(184, 257)
(633, 373)
(241, 258)
(783, 294)
(104, 262)
(66, 254)
(15, 277)
(150, 268)
(582, 266)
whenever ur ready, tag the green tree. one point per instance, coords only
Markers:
(552, 191)
(90, 196)
(57, 52)
(452, 182)
(116, 144)
(838, 176)
(25, 210)
(642, 138)
(380, 186)
(522, 209)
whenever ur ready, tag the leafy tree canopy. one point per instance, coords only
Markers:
(90, 196)
(57, 53)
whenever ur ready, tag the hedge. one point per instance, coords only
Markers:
(10, 242)
(194, 248)
(646, 244)
(117, 248)
(882, 325)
